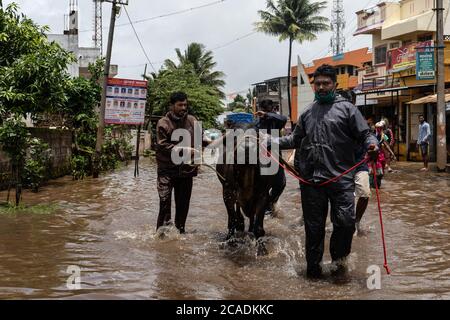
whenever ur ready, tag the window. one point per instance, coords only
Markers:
(351, 70)
(380, 54)
(406, 43)
(383, 13)
(394, 45)
(425, 37)
(361, 21)
(343, 70)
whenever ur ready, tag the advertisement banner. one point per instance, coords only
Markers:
(425, 67)
(125, 101)
(403, 58)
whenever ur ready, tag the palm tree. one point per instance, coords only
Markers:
(203, 62)
(293, 20)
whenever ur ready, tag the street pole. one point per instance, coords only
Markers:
(101, 123)
(441, 129)
(138, 140)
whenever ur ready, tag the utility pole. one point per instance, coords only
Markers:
(441, 147)
(101, 123)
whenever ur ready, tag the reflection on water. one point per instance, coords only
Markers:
(107, 228)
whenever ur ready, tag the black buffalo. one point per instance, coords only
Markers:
(245, 189)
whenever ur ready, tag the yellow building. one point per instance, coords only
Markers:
(399, 30)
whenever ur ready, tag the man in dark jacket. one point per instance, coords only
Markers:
(171, 176)
(326, 136)
(272, 122)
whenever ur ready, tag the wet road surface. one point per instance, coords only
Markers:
(106, 227)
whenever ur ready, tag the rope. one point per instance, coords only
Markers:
(297, 177)
(374, 170)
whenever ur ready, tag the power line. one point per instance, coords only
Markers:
(139, 40)
(214, 49)
(165, 15)
(233, 41)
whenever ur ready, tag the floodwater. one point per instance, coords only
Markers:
(106, 228)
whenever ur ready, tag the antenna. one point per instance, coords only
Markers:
(98, 17)
(337, 26)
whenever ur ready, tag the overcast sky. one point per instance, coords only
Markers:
(252, 59)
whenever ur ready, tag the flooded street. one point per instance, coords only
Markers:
(106, 227)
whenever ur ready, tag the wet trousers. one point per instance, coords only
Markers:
(183, 191)
(315, 210)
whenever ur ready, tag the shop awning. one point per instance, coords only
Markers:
(391, 89)
(429, 99)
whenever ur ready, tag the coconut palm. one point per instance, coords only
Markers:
(293, 20)
(203, 62)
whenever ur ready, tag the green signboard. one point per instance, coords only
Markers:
(425, 67)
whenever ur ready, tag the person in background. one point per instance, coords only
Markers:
(423, 141)
(389, 145)
(362, 181)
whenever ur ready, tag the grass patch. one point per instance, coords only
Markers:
(8, 208)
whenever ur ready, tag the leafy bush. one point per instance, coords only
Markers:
(80, 166)
(116, 148)
(37, 162)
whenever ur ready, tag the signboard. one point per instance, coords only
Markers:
(338, 57)
(425, 69)
(403, 58)
(361, 101)
(125, 101)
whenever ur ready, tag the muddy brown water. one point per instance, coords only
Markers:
(106, 227)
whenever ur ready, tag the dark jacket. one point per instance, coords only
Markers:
(164, 145)
(326, 137)
(272, 121)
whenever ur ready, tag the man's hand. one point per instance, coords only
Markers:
(260, 114)
(373, 152)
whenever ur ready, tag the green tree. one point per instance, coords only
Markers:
(239, 102)
(14, 142)
(250, 96)
(293, 20)
(33, 72)
(204, 101)
(33, 80)
(202, 61)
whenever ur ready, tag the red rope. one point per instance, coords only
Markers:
(310, 183)
(374, 170)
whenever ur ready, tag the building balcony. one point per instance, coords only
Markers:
(371, 72)
(370, 20)
(425, 22)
